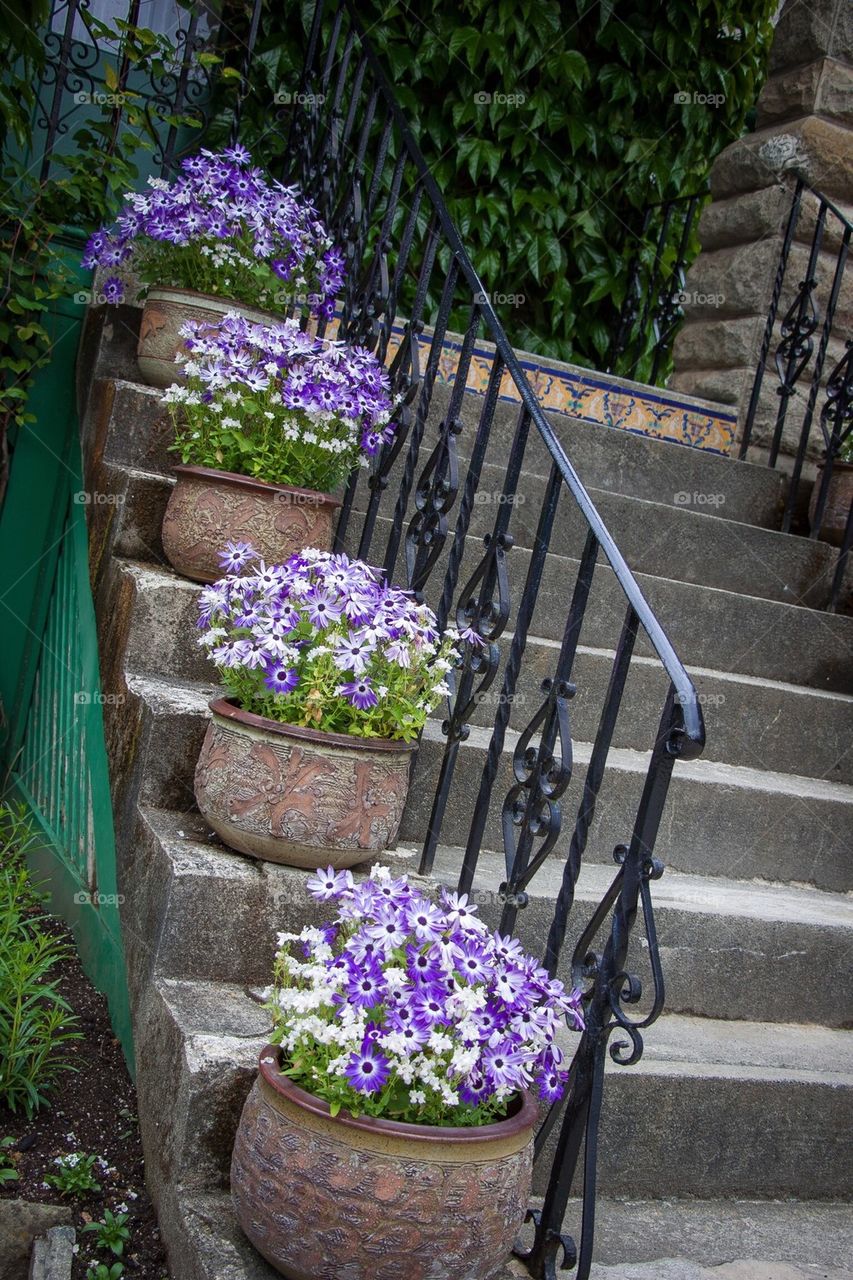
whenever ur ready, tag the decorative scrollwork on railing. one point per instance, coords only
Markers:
(609, 991)
(836, 418)
(797, 342)
(435, 494)
(481, 615)
(542, 772)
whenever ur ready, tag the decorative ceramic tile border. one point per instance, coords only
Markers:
(593, 397)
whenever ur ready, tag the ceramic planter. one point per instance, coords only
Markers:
(163, 313)
(838, 500)
(208, 508)
(322, 1198)
(299, 796)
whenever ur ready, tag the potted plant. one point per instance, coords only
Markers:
(390, 1130)
(330, 675)
(839, 495)
(220, 235)
(268, 421)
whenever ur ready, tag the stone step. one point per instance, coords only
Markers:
(676, 1122)
(720, 820)
(210, 914)
(634, 1240)
(706, 626)
(753, 722)
(605, 458)
(690, 542)
(739, 823)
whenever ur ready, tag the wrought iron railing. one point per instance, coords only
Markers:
(658, 254)
(803, 367)
(418, 512)
(353, 153)
(172, 87)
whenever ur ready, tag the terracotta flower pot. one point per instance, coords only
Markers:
(208, 508)
(164, 312)
(321, 1198)
(300, 796)
(838, 500)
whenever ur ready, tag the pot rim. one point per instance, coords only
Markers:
(250, 482)
(523, 1118)
(229, 710)
(228, 303)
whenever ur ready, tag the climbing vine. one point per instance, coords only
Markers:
(549, 125)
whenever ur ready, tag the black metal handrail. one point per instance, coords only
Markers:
(793, 363)
(353, 153)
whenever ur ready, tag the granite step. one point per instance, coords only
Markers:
(197, 910)
(740, 823)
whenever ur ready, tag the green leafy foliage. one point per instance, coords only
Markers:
(75, 1174)
(36, 1023)
(8, 1172)
(549, 128)
(81, 189)
(111, 1232)
(100, 1271)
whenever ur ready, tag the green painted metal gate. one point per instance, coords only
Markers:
(52, 748)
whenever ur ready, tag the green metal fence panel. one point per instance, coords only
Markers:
(52, 747)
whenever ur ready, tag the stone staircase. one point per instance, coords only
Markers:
(732, 1134)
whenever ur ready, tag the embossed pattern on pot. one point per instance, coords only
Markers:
(321, 1200)
(207, 509)
(299, 796)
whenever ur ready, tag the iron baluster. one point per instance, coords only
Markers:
(361, 323)
(797, 343)
(610, 987)
(176, 93)
(632, 301)
(772, 312)
(817, 374)
(482, 610)
(436, 490)
(669, 309)
(524, 615)
(68, 65)
(836, 424)
(419, 424)
(243, 89)
(591, 787)
(542, 775)
(405, 378)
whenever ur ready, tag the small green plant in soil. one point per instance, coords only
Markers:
(111, 1233)
(100, 1271)
(36, 1022)
(8, 1172)
(75, 1174)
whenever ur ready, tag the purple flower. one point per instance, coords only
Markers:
(366, 987)
(329, 884)
(426, 921)
(323, 607)
(281, 679)
(505, 1066)
(367, 1071)
(429, 1007)
(359, 692)
(236, 556)
(474, 963)
(388, 930)
(424, 966)
(113, 289)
